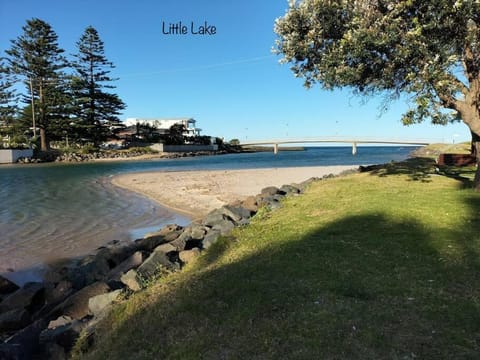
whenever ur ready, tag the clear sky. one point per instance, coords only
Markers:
(230, 82)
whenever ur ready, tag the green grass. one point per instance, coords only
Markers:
(378, 265)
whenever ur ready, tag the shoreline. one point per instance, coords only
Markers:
(197, 192)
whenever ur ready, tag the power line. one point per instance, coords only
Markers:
(200, 67)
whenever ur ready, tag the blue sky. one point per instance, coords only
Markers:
(230, 82)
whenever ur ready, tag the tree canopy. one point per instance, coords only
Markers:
(93, 106)
(38, 59)
(429, 49)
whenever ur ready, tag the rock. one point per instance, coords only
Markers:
(272, 202)
(187, 256)
(100, 304)
(28, 339)
(90, 269)
(213, 218)
(290, 189)
(64, 335)
(271, 190)
(225, 227)
(166, 248)
(180, 242)
(62, 320)
(76, 306)
(131, 280)
(152, 240)
(196, 231)
(59, 293)
(30, 297)
(7, 287)
(250, 203)
(237, 214)
(14, 320)
(210, 238)
(132, 262)
(12, 352)
(155, 261)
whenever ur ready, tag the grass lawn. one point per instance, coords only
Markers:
(377, 265)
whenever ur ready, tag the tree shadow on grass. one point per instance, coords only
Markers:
(363, 287)
(422, 169)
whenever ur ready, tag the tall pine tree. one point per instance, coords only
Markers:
(95, 108)
(8, 102)
(37, 57)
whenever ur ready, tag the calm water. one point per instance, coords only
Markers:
(56, 211)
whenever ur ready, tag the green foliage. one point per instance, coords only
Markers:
(93, 106)
(36, 57)
(430, 49)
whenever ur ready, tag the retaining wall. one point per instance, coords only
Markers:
(9, 156)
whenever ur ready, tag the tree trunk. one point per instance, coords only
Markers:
(43, 140)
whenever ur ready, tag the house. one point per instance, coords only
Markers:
(163, 125)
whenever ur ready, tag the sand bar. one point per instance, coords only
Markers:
(195, 193)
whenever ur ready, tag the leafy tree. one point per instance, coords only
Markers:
(175, 135)
(429, 49)
(8, 101)
(36, 56)
(95, 108)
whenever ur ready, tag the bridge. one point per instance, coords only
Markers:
(339, 139)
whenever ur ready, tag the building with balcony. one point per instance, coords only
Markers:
(163, 125)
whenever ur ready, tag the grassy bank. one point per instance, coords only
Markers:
(382, 264)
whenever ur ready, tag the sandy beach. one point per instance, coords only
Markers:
(195, 193)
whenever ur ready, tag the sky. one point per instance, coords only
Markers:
(229, 81)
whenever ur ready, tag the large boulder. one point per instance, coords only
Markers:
(7, 287)
(27, 339)
(290, 189)
(132, 262)
(100, 305)
(30, 297)
(158, 259)
(250, 203)
(132, 280)
(76, 306)
(14, 320)
(271, 190)
(224, 227)
(151, 240)
(187, 256)
(210, 238)
(63, 335)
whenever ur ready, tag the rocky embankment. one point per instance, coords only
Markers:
(43, 320)
(74, 157)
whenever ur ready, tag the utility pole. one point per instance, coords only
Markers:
(33, 109)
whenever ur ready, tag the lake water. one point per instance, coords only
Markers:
(51, 211)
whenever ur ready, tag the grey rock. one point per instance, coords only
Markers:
(62, 320)
(180, 242)
(196, 231)
(166, 248)
(7, 287)
(131, 280)
(225, 227)
(64, 335)
(290, 189)
(30, 296)
(12, 352)
(101, 304)
(213, 218)
(14, 320)
(155, 261)
(236, 213)
(28, 339)
(76, 306)
(187, 256)
(134, 261)
(250, 203)
(271, 190)
(210, 238)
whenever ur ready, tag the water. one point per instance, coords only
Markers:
(51, 211)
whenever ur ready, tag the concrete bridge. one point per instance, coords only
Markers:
(339, 139)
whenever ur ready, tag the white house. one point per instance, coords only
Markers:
(164, 125)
